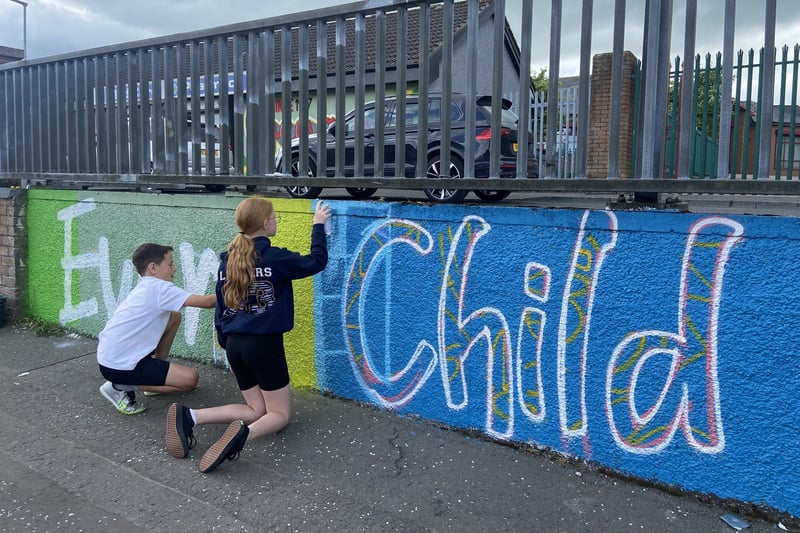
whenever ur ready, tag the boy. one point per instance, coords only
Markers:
(134, 345)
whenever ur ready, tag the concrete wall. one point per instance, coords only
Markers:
(659, 344)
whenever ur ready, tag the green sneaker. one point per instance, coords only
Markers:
(124, 401)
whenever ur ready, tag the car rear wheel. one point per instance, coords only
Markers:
(491, 196)
(361, 192)
(435, 171)
(302, 191)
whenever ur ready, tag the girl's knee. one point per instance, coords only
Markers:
(189, 383)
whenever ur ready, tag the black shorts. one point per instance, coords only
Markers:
(149, 371)
(258, 360)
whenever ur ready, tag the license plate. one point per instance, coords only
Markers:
(514, 146)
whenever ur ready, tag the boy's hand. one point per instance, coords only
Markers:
(322, 213)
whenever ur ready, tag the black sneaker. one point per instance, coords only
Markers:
(227, 447)
(180, 437)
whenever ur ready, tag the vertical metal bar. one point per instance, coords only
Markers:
(759, 113)
(686, 133)
(400, 121)
(747, 127)
(181, 126)
(286, 94)
(767, 82)
(793, 116)
(322, 97)
(145, 121)
(583, 90)
(424, 80)
(27, 125)
(4, 126)
(36, 118)
(253, 98)
(133, 112)
(497, 85)
(113, 123)
(272, 133)
(61, 111)
(616, 89)
(224, 106)
(552, 90)
(257, 85)
(238, 106)
(265, 81)
(302, 100)
(728, 31)
(210, 163)
(195, 134)
(108, 91)
(157, 112)
(171, 123)
(737, 151)
(473, 42)
(81, 136)
(446, 77)
(525, 141)
(649, 131)
(121, 108)
(341, 41)
(100, 115)
(380, 92)
(781, 118)
(15, 113)
(358, 134)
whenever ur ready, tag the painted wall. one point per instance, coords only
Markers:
(659, 344)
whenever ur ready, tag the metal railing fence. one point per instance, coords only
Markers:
(215, 106)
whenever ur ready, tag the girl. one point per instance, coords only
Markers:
(255, 307)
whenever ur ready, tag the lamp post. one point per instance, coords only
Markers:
(24, 27)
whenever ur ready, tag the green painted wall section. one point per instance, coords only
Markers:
(80, 244)
(46, 237)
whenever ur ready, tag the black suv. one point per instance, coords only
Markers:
(483, 134)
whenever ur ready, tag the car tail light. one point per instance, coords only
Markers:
(486, 134)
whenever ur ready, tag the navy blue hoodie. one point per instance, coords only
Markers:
(269, 307)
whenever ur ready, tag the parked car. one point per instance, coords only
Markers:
(217, 159)
(509, 140)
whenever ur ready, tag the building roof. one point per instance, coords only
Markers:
(8, 54)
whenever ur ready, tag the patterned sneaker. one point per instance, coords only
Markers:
(180, 437)
(124, 401)
(227, 447)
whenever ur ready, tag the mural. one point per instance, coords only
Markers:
(659, 344)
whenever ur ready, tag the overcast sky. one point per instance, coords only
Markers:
(60, 26)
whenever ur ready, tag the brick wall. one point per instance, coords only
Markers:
(13, 249)
(597, 157)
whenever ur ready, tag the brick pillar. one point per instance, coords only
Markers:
(600, 115)
(13, 250)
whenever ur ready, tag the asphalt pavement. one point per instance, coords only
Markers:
(71, 462)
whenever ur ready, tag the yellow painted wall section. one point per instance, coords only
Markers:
(294, 233)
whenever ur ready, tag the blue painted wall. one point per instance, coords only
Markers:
(659, 344)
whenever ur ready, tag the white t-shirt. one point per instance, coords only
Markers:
(138, 323)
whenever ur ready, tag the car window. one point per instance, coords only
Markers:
(433, 111)
(369, 119)
(412, 113)
(456, 114)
